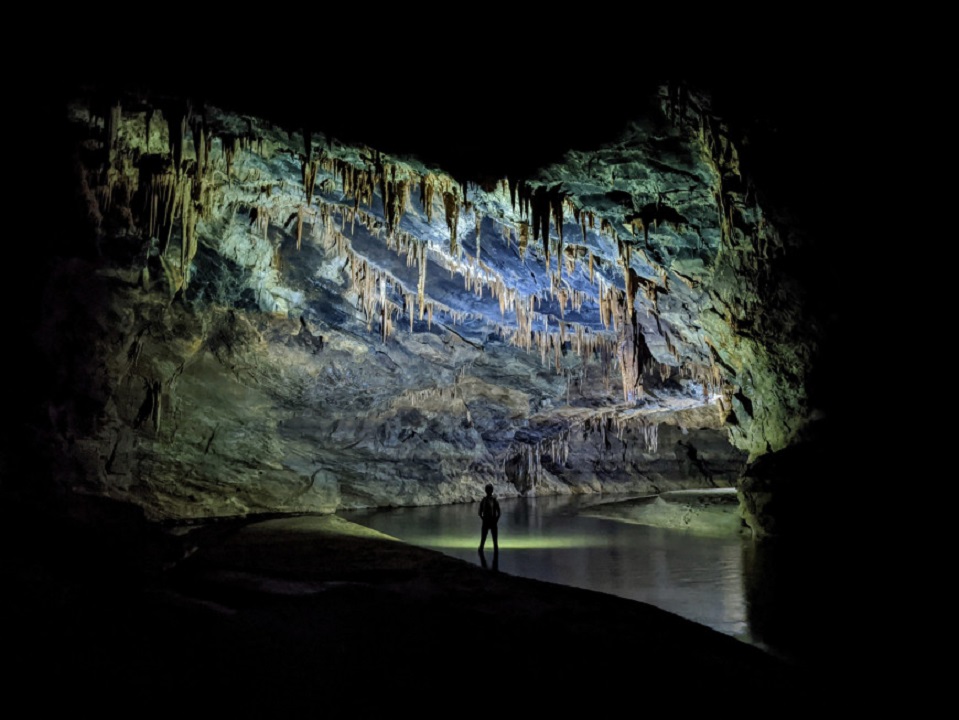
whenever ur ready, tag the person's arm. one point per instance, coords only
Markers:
(496, 509)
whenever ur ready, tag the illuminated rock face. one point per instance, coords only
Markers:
(268, 319)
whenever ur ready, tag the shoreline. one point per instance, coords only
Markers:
(254, 610)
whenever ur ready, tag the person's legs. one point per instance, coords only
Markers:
(495, 538)
(483, 538)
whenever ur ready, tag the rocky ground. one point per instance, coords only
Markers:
(713, 511)
(315, 613)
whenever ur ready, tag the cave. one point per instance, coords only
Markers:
(251, 303)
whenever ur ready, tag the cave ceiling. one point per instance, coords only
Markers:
(614, 260)
(489, 245)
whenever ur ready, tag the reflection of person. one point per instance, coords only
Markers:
(490, 512)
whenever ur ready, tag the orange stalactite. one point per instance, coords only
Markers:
(451, 206)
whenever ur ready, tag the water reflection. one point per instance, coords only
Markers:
(545, 538)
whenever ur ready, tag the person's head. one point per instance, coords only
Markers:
(489, 489)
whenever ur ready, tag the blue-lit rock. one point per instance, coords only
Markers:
(255, 336)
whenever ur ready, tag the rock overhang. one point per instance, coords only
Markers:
(294, 225)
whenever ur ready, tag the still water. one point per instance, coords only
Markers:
(700, 578)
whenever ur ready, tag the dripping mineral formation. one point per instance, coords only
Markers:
(260, 316)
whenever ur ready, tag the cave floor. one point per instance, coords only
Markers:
(316, 612)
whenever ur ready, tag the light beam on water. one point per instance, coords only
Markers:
(697, 577)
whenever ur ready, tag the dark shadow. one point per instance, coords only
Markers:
(802, 604)
(486, 565)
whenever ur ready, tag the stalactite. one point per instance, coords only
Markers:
(634, 356)
(556, 201)
(261, 219)
(277, 261)
(709, 377)
(651, 436)
(479, 237)
(607, 357)
(544, 340)
(606, 300)
(170, 202)
(561, 295)
(523, 239)
(437, 395)
(506, 296)
(229, 145)
(525, 199)
(664, 372)
(188, 246)
(541, 206)
(401, 201)
(631, 283)
(606, 228)
(384, 310)
(452, 207)
(511, 184)
(174, 277)
(202, 147)
(177, 135)
(395, 193)
(310, 168)
(409, 307)
(421, 282)
(427, 188)
(383, 173)
(527, 458)
(523, 326)
(114, 121)
(577, 299)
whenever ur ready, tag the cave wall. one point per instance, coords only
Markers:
(213, 349)
(194, 412)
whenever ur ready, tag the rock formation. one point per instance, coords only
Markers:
(252, 314)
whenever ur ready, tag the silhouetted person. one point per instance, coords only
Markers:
(489, 511)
